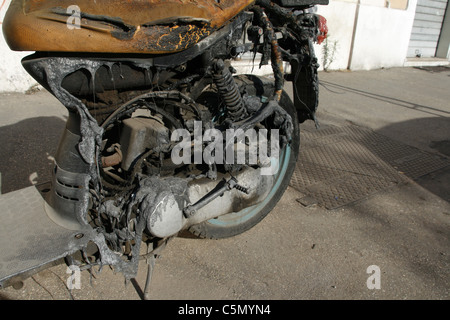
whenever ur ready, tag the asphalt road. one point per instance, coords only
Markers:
(393, 244)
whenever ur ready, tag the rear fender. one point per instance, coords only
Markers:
(306, 87)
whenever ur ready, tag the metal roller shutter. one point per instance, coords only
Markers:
(426, 28)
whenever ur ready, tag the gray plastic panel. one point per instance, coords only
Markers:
(29, 240)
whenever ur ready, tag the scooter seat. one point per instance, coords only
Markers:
(115, 26)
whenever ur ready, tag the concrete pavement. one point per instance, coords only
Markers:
(298, 251)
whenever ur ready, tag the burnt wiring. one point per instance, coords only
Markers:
(298, 30)
(271, 49)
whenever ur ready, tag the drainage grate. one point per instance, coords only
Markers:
(341, 165)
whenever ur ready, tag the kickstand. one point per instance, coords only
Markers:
(152, 254)
(151, 266)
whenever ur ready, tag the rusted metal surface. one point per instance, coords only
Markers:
(276, 56)
(114, 159)
(148, 26)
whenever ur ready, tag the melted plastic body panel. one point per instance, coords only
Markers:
(115, 26)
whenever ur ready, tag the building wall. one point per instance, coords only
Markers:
(340, 17)
(370, 34)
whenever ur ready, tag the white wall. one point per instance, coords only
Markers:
(340, 17)
(380, 36)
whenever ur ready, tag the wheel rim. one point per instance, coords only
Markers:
(236, 218)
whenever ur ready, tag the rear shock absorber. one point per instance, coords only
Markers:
(229, 91)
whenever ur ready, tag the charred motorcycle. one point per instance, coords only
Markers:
(162, 136)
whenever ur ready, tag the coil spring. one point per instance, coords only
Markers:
(242, 189)
(229, 91)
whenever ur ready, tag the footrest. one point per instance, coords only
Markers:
(29, 240)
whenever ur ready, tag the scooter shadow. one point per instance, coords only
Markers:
(27, 150)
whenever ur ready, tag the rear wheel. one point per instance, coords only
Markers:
(235, 223)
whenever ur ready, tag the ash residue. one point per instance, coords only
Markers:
(151, 192)
(56, 69)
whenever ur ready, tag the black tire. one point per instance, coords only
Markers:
(211, 229)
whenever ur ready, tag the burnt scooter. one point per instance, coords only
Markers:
(133, 74)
